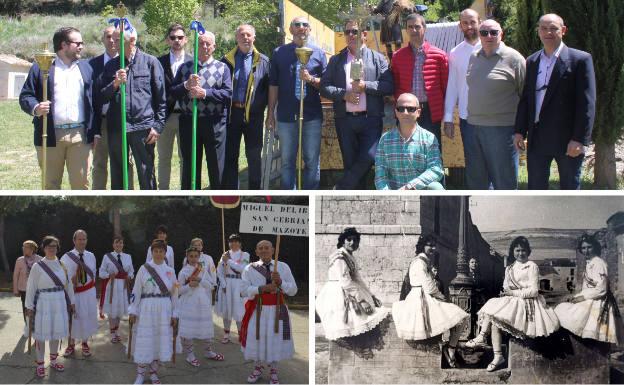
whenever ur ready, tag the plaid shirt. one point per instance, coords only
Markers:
(415, 161)
(418, 80)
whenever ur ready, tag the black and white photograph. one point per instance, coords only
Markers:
(113, 289)
(469, 289)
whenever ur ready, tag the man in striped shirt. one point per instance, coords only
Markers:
(408, 157)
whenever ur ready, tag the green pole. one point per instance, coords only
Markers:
(122, 90)
(194, 135)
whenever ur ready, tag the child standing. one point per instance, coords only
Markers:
(117, 267)
(153, 313)
(196, 284)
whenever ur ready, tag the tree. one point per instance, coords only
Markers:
(451, 8)
(262, 14)
(159, 14)
(10, 205)
(523, 37)
(597, 26)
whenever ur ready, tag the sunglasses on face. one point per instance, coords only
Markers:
(176, 37)
(78, 43)
(353, 32)
(492, 32)
(299, 24)
(409, 109)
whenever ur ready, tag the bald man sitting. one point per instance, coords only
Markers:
(408, 156)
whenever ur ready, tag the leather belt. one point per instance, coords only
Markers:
(238, 105)
(233, 276)
(355, 113)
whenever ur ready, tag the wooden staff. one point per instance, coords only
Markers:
(112, 289)
(277, 293)
(130, 323)
(174, 293)
(30, 330)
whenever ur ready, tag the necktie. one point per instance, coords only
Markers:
(298, 85)
(119, 260)
(268, 273)
(82, 274)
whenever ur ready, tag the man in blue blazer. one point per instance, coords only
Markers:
(557, 108)
(358, 105)
(69, 109)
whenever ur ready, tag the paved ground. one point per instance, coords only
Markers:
(110, 365)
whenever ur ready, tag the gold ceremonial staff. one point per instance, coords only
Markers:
(44, 60)
(303, 55)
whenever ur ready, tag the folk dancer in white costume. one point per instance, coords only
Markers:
(49, 303)
(195, 306)
(230, 304)
(153, 313)
(423, 311)
(259, 341)
(520, 311)
(161, 233)
(82, 267)
(592, 313)
(117, 268)
(345, 304)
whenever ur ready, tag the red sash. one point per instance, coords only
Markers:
(250, 307)
(80, 289)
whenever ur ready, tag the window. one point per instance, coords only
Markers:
(16, 82)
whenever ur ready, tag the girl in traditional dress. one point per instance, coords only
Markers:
(592, 313)
(425, 312)
(153, 312)
(521, 311)
(230, 304)
(345, 304)
(23, 265)
(50, 301)
(117, 267)
(195, 306)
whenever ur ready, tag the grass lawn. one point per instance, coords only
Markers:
(18, 159)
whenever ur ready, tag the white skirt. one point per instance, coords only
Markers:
(85, 322)
(51, 318)
(521, 317)
(330, 307)
(152, 334)
(582, 319)
(411, 322)
(119, 307)
(230, 305)
(271, 346)
(195, 312)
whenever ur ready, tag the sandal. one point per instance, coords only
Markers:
(225, 339)
(452, 362)
(40, 370)
(57, 366)
(115, 339)
(492, 366)
(215, 356)
(255, 375)
(476, 342)
(69, 350)
(140, 378)
(85, 350)
(154, 378)
(194, 362)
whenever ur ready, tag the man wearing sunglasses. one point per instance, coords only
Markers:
(422, 69)
(557, 108)
(358, 105)
(171, 62)
(495, 80)
(408, 156)
(284, 89)
(70, 129)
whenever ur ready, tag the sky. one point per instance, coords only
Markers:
(502, 213)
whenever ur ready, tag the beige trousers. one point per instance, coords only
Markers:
(100, 162)
(72, 151)
(164, 146)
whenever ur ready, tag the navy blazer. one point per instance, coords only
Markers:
(32, 94)
(377, 77)
(569, 105)
(165, 61)
(97, 63)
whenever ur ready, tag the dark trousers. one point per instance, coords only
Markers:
(252, 131)
(211, 135)
(358, 137)
(538, 167)
(424, 121)
(23, 297)
(142, 153)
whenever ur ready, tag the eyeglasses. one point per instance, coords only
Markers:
(353, 32)
(173, 37)
(409, 109)
(78, 43)
(491, 32)
(300, 24)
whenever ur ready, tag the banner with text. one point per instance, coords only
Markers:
(267, 218)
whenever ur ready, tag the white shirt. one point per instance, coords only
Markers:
(107, 267)
(176, 62)
(457, 88)
(544, 72)
(68, 106)
(72, 267)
